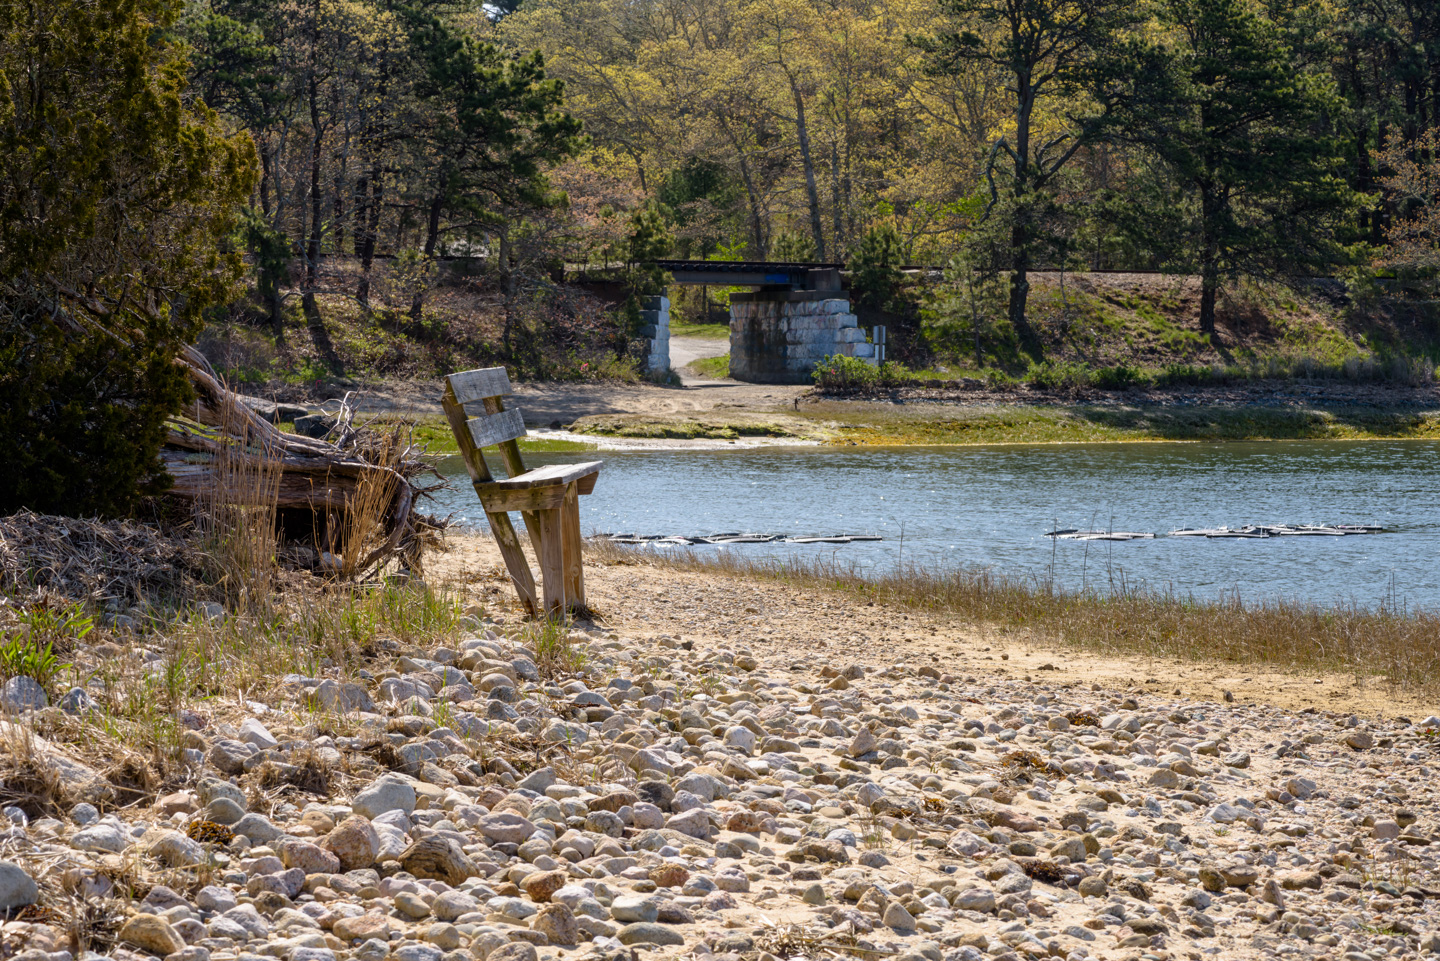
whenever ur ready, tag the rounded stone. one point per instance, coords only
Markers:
(646, 932)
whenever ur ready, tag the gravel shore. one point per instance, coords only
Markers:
(712, 794)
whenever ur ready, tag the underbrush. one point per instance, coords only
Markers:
(559, 333)
(1387, 643)
(840, 375)
(685, 428)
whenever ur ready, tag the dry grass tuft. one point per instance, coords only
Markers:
(235, 515)
(305, 770)
(1387, 643)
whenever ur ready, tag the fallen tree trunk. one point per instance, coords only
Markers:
(220, 446)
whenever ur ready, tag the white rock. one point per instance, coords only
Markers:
(253, 732)
(388, 793)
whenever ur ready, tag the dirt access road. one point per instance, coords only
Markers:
(561, 404)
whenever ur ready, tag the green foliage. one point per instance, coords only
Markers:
(649, 239)
(1186, 375)
(1052, 374)
(23, 657)
(30, 651)
(1234, 103)
(894, 374)
(1120, 377)
(966, 309)
(875, 277)
(119, 194)
(791, 247)
(841, 373)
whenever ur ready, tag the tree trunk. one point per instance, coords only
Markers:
(338, 215)
(1020, 282)
(837, 208)
(802, 132)
(757, 225)
(1209, 259)
(1020, 224)
(371, 231)
(265, 182)
(507, 286)
(313, 321)
(432, 237)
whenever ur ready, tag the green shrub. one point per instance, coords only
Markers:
(1119, 377)
(997, 379)
(894, 374)
(1180, 375)
(838, 372)
(1052, 374)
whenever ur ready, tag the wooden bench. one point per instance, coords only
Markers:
(548, 498)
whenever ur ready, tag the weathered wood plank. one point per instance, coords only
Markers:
(505, 537)
(571, 550)
(497, 497)
(473, 385)
(455, 413)
(551, 475)
(552, 564)
(496, 428)
(510, 454)
(515, 563)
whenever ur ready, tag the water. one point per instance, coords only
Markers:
(989, 506)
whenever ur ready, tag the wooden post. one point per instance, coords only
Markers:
(552, 562)
(500, 525)
(574, 564)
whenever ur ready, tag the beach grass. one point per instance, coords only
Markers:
(1388, 643)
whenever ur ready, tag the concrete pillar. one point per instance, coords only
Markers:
(778, 336)
(655, 329)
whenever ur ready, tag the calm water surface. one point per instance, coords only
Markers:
(989, 506)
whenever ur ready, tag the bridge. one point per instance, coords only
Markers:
(798, 314)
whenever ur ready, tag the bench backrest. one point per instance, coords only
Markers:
(496, 426)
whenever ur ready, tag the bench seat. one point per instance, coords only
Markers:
(537, 489)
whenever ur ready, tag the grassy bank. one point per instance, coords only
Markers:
(1390, 645)
(913, 424)
(866, 423)
(715, 367)
(435, 434)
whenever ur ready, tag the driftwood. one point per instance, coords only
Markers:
(315, 478)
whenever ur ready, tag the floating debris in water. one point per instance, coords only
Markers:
(1282, 530)
(735, 537)
(1079, 535)
(1252, 531)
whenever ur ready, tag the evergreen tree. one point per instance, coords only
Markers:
(117, 190)
(1045, 49)
(491, 126)
(1238, 114)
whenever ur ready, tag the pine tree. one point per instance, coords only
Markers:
(118, 191)
(1238, 113)
(491, 127)
(1046, 49)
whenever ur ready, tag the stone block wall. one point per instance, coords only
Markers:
(777, 337)
(655, 330)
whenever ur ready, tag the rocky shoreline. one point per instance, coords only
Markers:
(672, 798)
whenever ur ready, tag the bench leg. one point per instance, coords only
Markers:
(574, 563)
(552, 563)
(515, 562)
